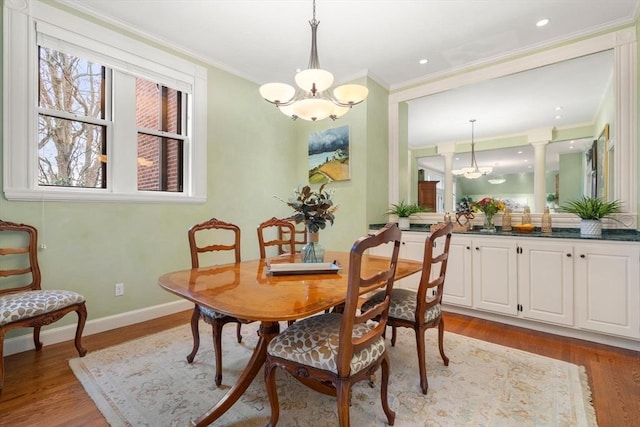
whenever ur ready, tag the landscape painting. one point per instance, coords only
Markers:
(329, 155)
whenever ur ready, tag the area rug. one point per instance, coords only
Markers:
(148, 382)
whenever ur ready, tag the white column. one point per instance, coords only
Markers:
(539, 181)
(447, 150)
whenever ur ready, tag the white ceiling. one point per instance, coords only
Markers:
(267, 40)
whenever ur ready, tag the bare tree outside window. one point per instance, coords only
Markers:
(71, 133)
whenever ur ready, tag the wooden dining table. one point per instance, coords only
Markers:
(247, 290)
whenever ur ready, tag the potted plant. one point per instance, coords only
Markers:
(403, 211)
(591, 210)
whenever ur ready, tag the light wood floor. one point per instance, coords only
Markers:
(41, 390)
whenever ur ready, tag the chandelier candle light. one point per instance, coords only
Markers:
(473, 171)
(312, 100)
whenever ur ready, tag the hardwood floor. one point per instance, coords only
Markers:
(41, 390)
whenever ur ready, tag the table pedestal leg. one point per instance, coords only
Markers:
(267, 331)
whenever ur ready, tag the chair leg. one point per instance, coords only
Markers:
(82, 318)
(195, 318)
(445, 359)
(2, 331)
(420, 346)
(217, 348)
(343, 388)
(384, 388)
(238, 332)
(36, 338)
(393, 335)
(272, 393)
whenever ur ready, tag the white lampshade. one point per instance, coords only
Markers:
(472, 175)
(339, 111)
(486, 170)
(457, 172)
(313, 109)
(350, 94)
(277, 92)
(287, 110)
(306, 78)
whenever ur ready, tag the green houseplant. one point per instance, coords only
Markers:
(403, 211)
(591, 210)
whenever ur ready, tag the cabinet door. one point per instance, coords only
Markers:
(495, 286)
(545, 280)
(607, 282)
(457, 283)
(412, 248)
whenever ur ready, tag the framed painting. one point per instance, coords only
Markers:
(329, 155)
(601, 163)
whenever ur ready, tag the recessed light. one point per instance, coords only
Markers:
(558, 108)
(558, 117)
(571, 147)
(423, 61)
(519, 152)
(542, 22)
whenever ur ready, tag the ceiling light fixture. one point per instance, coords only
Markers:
(496, 180)
(542, 22)
(312, 101)
(473, 171)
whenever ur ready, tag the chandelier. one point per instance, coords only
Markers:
(473, 171)
(312, 100)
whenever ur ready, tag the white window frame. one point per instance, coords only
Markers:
(128, 58)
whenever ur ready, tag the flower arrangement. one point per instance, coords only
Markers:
(314, 208)
(488, 206)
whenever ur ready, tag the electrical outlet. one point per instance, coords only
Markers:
(119, 289)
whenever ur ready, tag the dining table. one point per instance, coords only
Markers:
(250, 290)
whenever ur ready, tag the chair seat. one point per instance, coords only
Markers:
(314, 342)
(403, 305)
(24, 305)
(212, 314)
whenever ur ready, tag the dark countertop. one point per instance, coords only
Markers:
(558, 233)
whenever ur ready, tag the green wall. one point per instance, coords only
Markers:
(571, 181)
(254, 152)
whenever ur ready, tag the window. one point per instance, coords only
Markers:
(104, 117)
(71, 121)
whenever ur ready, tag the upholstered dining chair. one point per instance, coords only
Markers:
(285, 232)
(331, 352)
(23, 303)
(422, 310)
(210, 234)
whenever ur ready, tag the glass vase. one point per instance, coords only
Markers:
(488, 226)
(313, 250)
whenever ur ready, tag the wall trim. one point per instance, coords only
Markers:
(67, 333)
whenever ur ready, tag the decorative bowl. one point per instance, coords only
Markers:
(523, 228)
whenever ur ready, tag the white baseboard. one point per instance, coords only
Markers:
(65, 333)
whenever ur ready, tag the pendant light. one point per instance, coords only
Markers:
(473, 171)
(312, 100)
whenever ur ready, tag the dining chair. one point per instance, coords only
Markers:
(286, 235)
(422, 309)
(23, 303)
(207, 233)
(300, 237)
(331, 352)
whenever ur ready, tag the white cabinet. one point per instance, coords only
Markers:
(545, 280)
(583, 285)
(457, 284)
(495, 285)
(608, 287)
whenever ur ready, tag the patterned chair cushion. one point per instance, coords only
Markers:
(212, 314)
(25, 305)
(403, 305)
(314, 342)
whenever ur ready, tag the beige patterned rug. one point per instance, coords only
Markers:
(147, 382)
